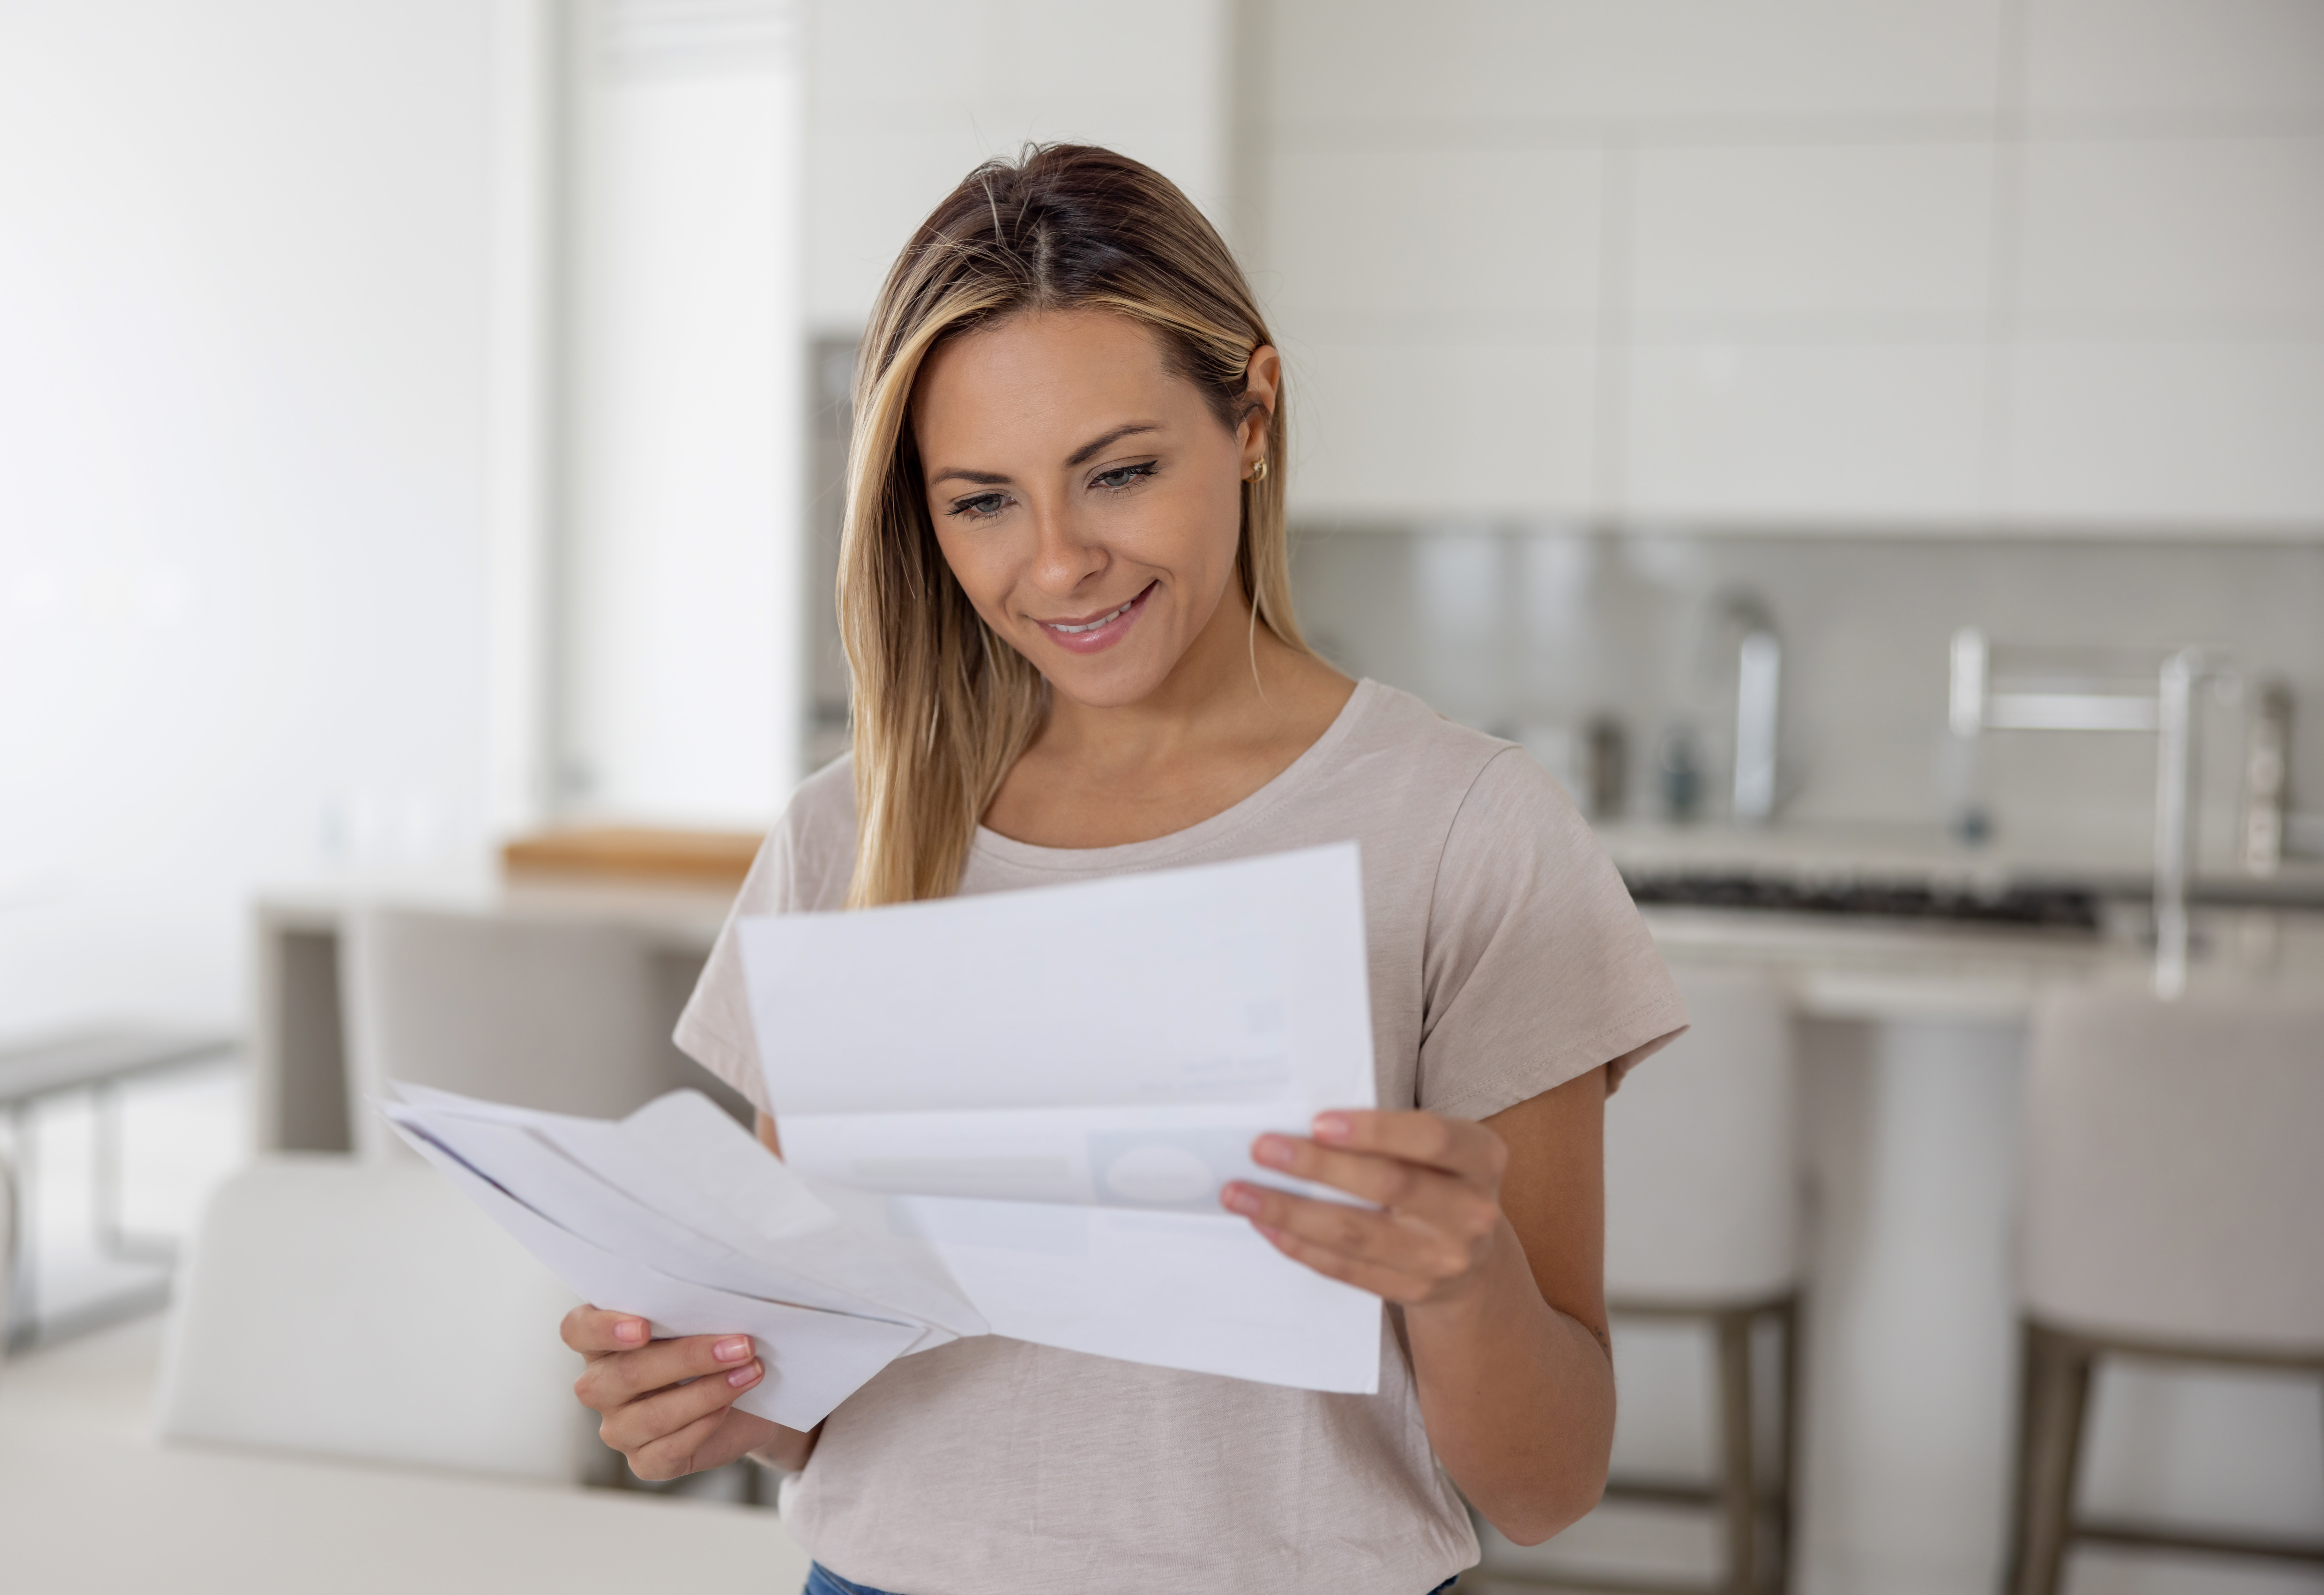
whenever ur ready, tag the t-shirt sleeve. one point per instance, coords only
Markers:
(1539, 967)
(802, 867)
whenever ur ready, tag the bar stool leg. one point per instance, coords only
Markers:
(2057, 1395)
(1787, 1324)
(2021, 1459)
(1738, 1483)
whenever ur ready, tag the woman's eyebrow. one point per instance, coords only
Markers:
(1089, 449)
(999, 479)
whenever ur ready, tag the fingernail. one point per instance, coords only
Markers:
(1241, 1199)
(745, 1376)
(1333, 1127)
(630, 1330)
(727, 1351)
(1272, 1150)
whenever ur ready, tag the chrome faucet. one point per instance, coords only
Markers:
(1984, 699)
(1758, 674)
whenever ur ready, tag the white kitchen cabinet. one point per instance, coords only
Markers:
(2100, 62)
(1488, 240)
(2127, 237)
(1876, 238)
(1423, 428)
(1835, 435)
(1771, 61)
(1854, 267)
(1807, 329)
(2203, 436)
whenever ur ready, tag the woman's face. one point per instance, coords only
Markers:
(1088, 501)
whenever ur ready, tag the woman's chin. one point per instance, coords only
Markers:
(1114, 679)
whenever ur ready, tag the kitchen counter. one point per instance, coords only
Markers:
(1835, 852)
(1841, 966)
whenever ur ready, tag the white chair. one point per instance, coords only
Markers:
(538, 1012)
(370, 1312)
(1702, 1226)
(2173, 1209)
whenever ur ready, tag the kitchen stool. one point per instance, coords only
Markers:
(2173, 1198)
(1702, 1225)
(535, 1011)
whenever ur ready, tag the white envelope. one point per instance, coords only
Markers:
(814, 1359)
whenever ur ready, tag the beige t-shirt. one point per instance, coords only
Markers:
(1505, 958)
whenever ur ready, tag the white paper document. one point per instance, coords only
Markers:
(1054, 1084)
(1004, 1114)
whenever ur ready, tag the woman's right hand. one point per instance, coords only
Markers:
(668, 1406)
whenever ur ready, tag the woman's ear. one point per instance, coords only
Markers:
(1263, 379)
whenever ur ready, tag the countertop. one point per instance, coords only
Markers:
(1827, 850)
(1840, 967)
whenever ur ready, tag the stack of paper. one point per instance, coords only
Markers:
(677, 1214)
(1007, 1114)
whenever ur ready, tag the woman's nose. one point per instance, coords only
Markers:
(1062, 557)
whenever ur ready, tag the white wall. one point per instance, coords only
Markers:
(243, 563)
(681, 685)
(908, 95)
(2047, 263)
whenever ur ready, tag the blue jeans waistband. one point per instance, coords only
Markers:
(822, 1580)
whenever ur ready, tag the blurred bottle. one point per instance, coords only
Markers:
(2267, 764)
(1681, 764)
(1607, 767)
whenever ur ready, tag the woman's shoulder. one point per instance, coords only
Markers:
(808, 857)
(1429, 790)
(825, 803)
(1403, 747)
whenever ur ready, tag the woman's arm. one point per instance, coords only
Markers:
(1491, 1237)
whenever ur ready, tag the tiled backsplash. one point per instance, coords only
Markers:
(1531, 634)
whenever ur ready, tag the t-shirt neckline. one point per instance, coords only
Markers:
(1202, 834)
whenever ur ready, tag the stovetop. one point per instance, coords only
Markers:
(2016, 906)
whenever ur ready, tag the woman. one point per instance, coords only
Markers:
(1065, 594)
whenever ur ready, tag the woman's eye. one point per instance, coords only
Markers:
(1123, 476)
(982, 505)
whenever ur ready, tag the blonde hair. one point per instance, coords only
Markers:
(943, 707)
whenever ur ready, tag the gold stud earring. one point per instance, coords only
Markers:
(1258, 469)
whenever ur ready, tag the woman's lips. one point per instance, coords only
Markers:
(1100, 631)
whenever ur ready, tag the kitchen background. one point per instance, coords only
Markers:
(418, 424)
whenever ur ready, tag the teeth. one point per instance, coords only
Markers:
(1094, 624)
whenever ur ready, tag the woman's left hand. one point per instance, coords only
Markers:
(1438, 1185)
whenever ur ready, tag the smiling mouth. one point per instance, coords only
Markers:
(1084, 628)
